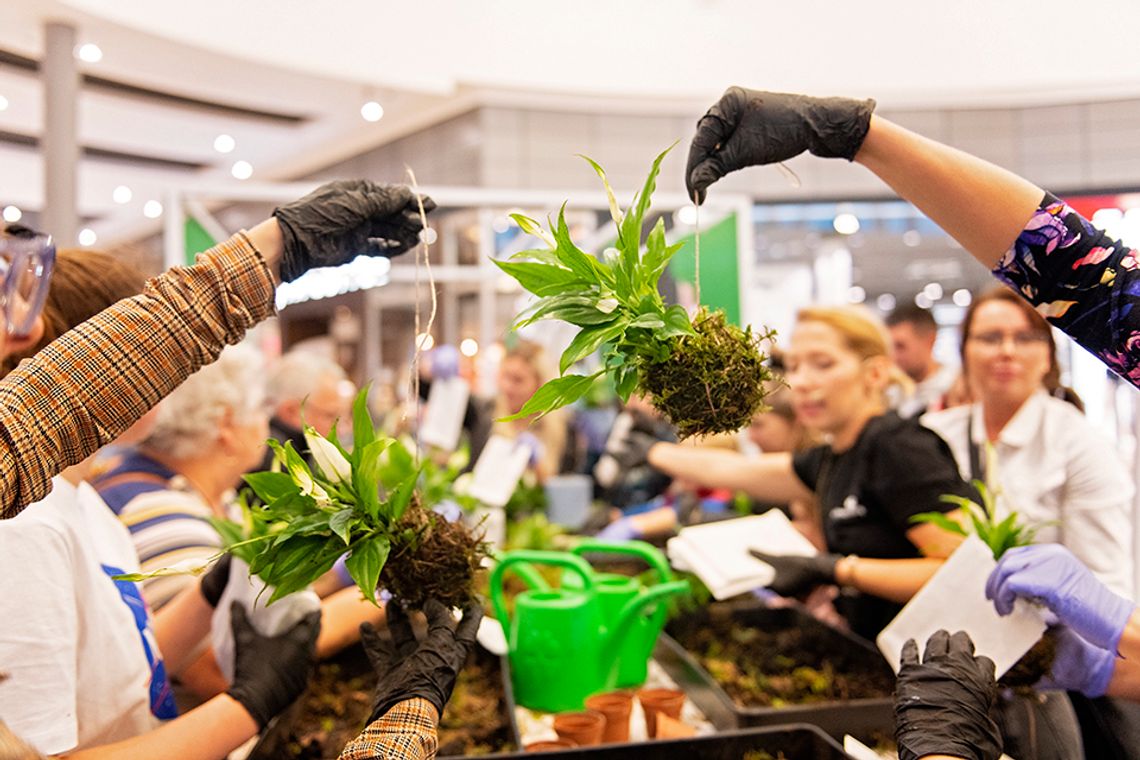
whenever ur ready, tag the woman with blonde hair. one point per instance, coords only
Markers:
(522, 372)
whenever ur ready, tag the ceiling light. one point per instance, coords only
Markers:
(242, 170)
(911, 238)
(501, 224)
(3, 103)
(469, 347)
(12, 214)
(87, 236)
(962, 297)
(933, 291)
(856, 294)
(846, 224)
(923, 301)
(885, 302)
(152, 209)
(372, 111)
(687, 215)
(224, 143)
(89, 52)
(425, 341)
(428, 236)
(122, 194)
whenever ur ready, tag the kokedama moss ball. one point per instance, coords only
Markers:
(431, 557)
(713, 382)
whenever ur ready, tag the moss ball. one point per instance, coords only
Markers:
(431, 557)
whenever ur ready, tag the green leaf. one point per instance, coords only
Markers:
(657, 254)
(540, 255)
(341, 524)
(366, 477)
(363, 432)
(588, 341)
(402, 497)
(334, 439)
(677, 322)
(531, 227)
(543, 279)
(582, 264)
(651, 321)
(615, 210)
(574, 308)
(941, 520)
(270, 486)
(554, 395)
(631, 225)
(316, 562)
(396, 465)
(365, 563)
(626, 383)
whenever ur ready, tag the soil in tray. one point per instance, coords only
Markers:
(793, 666)
(336, 706)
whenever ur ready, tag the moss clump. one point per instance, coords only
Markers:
(432, 557)
(713, 381)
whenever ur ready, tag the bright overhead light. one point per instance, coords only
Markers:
(469, 347)
(87, 236)
(122, 194)
(911, 238)
(933, 291)
(923, 301)
(372, 111)
(501, 224)
(425, 342)
(962, 297)
(856, 294)
(89, 52)
(886, 302)
(242, 170)
(152, 209)
(3, 103)
(12, 214)
(224, 143)
(428, 236)
(687, 215)
(846, 224)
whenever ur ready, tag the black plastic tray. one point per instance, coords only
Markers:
(796, 742)
(862, 718)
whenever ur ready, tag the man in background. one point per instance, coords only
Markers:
(307, 388)
(913, 332)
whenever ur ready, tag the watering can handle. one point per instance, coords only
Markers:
(646, 552)
(634, 607)
(523, 559)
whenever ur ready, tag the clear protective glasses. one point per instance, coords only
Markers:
(26, 261)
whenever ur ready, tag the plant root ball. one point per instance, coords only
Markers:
(432, 557)
(713, 382)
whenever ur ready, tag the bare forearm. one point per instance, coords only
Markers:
(896, 580)
(982, 206)
(769, 477)
(266, 238)
(180, 626)
(341, 616)
(1129, 646)
(208, 732)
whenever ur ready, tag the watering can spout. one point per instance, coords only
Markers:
(615, 637)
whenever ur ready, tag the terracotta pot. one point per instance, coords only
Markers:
(583, 728)
(616, 706)
(671, 728)
(653, 701)
(550, 745)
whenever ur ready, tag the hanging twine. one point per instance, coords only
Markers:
(425, 247)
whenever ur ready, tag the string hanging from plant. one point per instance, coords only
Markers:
(705, 375)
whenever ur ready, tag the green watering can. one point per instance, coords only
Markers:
(562, 645)
(614, 591)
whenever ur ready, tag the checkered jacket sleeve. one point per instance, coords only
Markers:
(88, 386)
(407, 732)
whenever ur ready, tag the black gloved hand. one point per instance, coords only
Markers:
(750, 127)
(271, 671)
(797, 575)
(942, 706)
(344, 219)
(214, 582)
(427, 669)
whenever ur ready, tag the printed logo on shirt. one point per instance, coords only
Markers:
(850, 510)
(161, 696)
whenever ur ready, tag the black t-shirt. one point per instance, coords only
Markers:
(867, 494)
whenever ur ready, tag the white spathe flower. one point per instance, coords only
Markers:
(328, 458)
(606, 305)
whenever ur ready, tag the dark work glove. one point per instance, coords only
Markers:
(750, 127)
(427, 669)
(344, 219)
(271, 671)
(797, 575)
(942, 706)
(214, 582)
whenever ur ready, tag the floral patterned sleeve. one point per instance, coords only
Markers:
(1080, 280)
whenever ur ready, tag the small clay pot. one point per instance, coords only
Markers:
(550, 745)
(616, 706)
(583, 728)
(653, 701)
(671, 728)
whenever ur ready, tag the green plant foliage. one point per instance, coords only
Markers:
(619, 310)
(1000, 535)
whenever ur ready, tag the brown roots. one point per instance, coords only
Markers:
(432, 557)
(713, 382)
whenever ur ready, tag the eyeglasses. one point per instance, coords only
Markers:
(26, 261)
(1023, 339)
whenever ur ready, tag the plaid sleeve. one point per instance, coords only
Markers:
(93, 382)
(407, 732)
(1082, 281)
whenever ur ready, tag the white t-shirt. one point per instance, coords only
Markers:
(82, 663)
(929, 391)
(1054, 466)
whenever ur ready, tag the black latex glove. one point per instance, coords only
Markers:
(271, 671)
(408, 668)
(750, 127)
(214, 582)
(341, 220)
(942, 706)
(798, 575)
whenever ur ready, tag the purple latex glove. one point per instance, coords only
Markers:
(619, 530)
(1051, 575)
(444, 362)
(1079, 665)
(531, 442)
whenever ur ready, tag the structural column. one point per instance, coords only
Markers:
(61, 133)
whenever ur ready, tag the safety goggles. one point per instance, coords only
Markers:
(26, 261)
